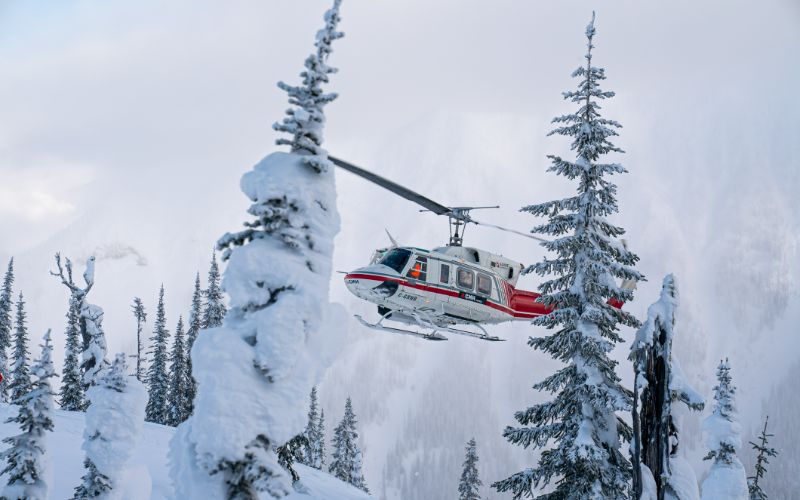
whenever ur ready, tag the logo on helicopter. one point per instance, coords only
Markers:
(472, 297)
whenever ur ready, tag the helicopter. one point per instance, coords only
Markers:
(446, 289)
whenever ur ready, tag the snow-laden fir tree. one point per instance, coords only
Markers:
(580, 422)
(71, 395)
(90, 320)
(6, 326)
(727, 478)
(195, 324)
(470, 483)
(20, 383)
(306, 120)
(114, 423)
(255, 371)
(762, 460)
(157, 376)
(319, 447)
(140, 315)
(661, 471)
(215, 306)
(27, 465)
(291, 453)
(312, 448)
(177, 402)
(346, 463)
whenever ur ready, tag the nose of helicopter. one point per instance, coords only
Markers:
(372, 282)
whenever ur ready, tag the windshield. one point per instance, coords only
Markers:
(396, 259)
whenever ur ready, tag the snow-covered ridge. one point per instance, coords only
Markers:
(148, 464)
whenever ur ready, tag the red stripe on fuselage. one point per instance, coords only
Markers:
(449, 293)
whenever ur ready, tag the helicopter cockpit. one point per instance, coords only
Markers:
(396, 258)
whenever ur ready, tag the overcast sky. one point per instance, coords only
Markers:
(125, 127)
(99, 91)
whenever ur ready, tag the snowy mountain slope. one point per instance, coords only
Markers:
(149, 468)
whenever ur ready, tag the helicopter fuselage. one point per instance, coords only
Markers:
(445, 286)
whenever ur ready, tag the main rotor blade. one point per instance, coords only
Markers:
(527, 235)
(392, 186)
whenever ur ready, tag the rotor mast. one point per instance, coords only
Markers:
(458, 217)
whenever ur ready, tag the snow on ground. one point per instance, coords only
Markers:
(150, 455)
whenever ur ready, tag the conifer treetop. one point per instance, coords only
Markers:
(470, 482)
(20, 383)
(306, 120)
(762, 460)
(5, 325)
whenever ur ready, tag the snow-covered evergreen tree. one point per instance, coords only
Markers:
(140, 315)
(157, 376)
(114, 422)
(762, 459)
(470, 483)
(195, 324)
(6, 326)
(254, 372)
(658, 383)
(313, 437)
(346, 464)
(291, 453)
(305, 122)
(178, 403)
(215, 306)
(71, 395)
(727, 478)
(319, 448)
(20, 384)
(90, 320)
(27, 465)
(581, 421)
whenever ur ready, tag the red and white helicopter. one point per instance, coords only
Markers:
(444, 287)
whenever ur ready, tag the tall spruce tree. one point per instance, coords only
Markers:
(580, 422)
(6, 326)
(195, 324)
(179, 380)
(470, 483)
(762, 459)
(26, 457)
(311, 433)
(20, 373)
(72, 397)
(727, 478)
(157, 377)
(346, 464)
(215, 307)
(140, 315)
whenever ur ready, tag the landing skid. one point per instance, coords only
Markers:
(378, 326)
(425, 322)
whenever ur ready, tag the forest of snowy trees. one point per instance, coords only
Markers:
(237, 372)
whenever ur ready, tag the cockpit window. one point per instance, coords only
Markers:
(396, 259)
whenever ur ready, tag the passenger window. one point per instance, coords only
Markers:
(484, 284)
(465, 278)
(419, 271)
(444, 274)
